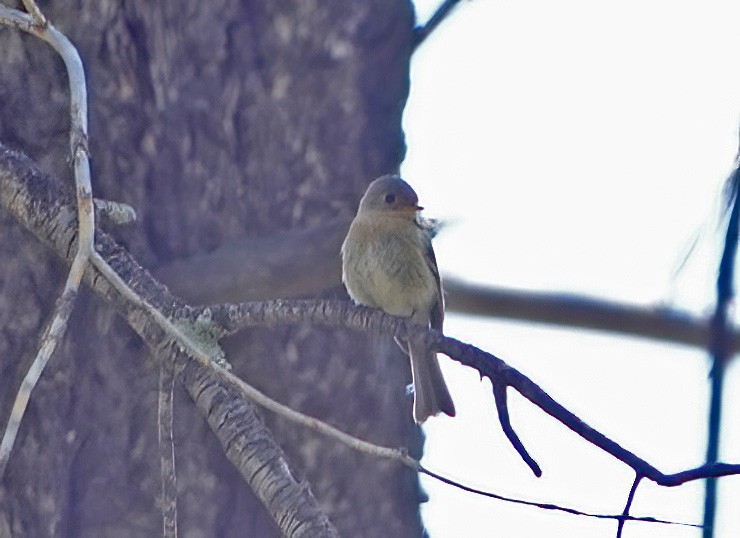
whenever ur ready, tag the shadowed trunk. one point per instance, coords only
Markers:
(218, 121)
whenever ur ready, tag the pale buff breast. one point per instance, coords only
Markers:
(384, 267)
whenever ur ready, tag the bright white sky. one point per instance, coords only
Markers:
(578, 146)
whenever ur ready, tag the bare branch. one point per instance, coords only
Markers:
(344, 314)
(499, 397)
(443, 11)
(46, 210)
(165, 417)
(719, 347)
(51, 336)
(39, 26)
(572, 310)
(550, 506)
(628, 505)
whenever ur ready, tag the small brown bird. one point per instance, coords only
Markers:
(388, 263)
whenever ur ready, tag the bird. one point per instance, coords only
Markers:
(388, 263)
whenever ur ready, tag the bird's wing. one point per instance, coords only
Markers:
(437, 314)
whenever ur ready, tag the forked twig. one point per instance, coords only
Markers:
(628, 505)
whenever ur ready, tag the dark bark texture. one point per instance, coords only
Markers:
(217, 121)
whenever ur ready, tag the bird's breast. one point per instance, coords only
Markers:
(385, 267)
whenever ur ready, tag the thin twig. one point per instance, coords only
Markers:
(39, 26)
(628, 505)
(165, 420)
(719, 345)
(400, 455)
(443, 11)
(502, 407)
(549, 506)
(53, 333)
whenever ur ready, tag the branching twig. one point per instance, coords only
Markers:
(33, 9)
(550, 506)
(343, 314)
(628, 505)
(38, 25)
(499, 397)
(400, 455)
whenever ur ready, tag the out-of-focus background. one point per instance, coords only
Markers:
(579, 147)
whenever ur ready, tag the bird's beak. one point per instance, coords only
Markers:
(418, 208)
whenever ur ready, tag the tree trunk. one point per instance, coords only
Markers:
(217, 121)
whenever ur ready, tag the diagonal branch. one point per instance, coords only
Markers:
(502, 407)
(343, 314)
(443, 11)
(39, 204)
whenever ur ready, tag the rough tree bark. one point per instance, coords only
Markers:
(216, 121)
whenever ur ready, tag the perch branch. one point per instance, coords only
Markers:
(343, 314)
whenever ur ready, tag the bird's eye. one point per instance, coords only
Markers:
(390, 198)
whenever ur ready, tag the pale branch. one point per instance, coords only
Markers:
(33, 9)
(399, 455)
(50, 337)
(233, 317)
(38, 25)
(42, 206)
(166, 441)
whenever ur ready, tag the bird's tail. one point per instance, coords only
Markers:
(431, 396)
